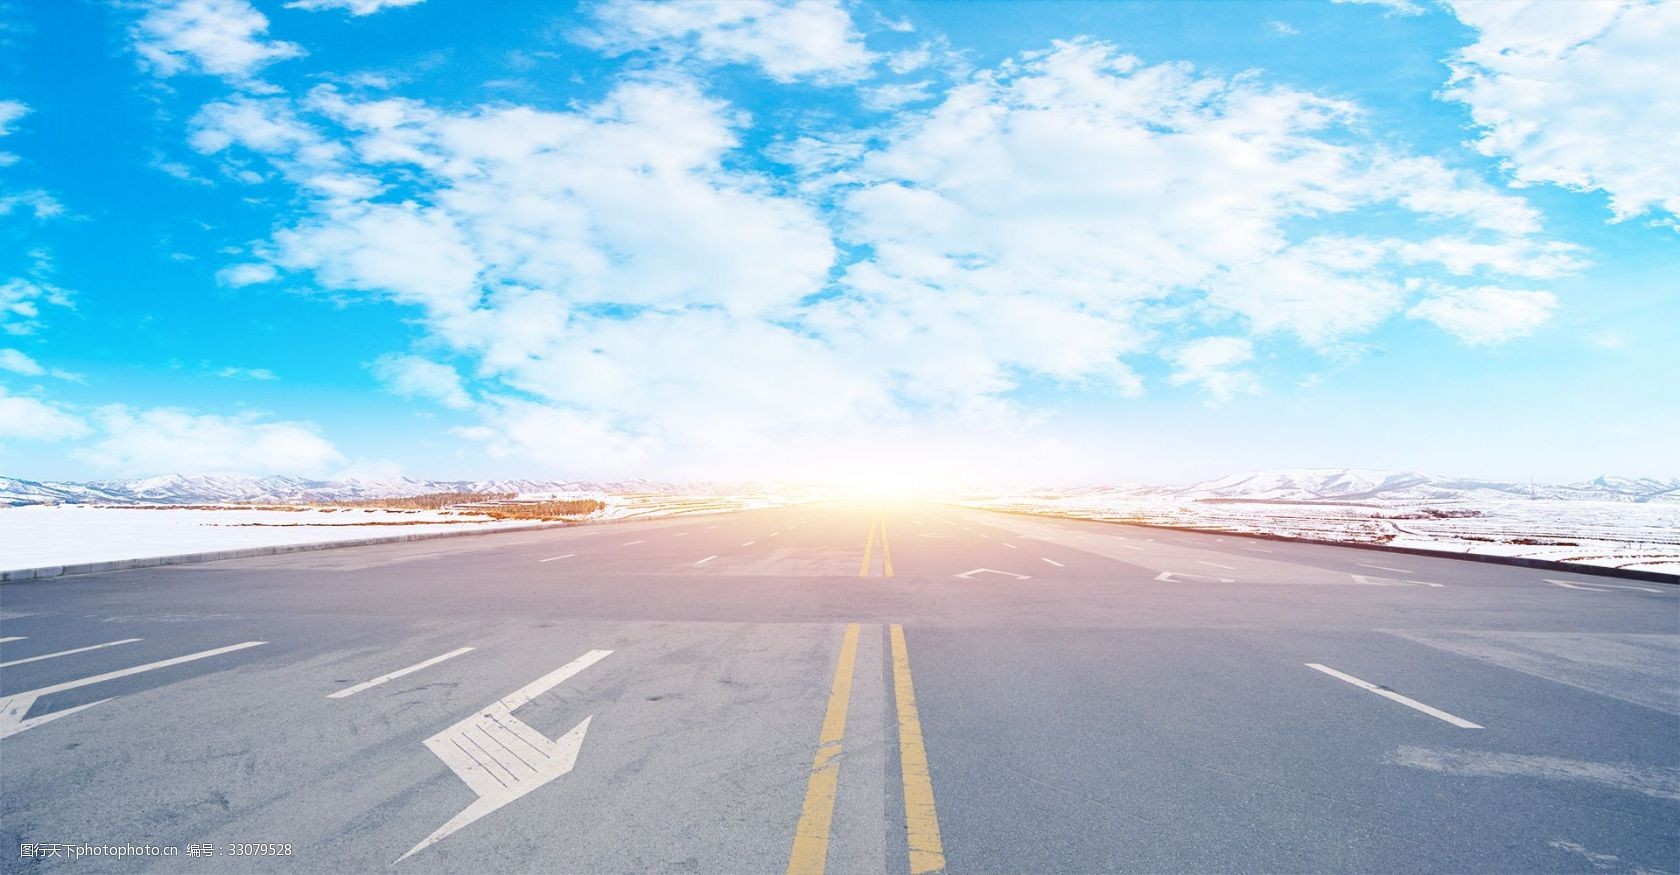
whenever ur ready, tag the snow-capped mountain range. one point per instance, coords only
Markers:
(1353, 484)
(1357, 485)
(1291, 485)
(216, 489)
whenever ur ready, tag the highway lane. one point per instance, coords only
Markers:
(1059, 696)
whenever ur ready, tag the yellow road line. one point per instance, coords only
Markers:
(863, 570)
(886, 551)
(810, 838)
(921, 820)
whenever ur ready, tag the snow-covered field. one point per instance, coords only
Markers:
(1619, 534)
(39, 536)
(47, 535)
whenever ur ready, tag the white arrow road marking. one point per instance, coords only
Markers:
(1385, 581)
(68, 652)
(556, 558)
(13, 707)
(500, 756)
(1052, 561)
(370, 684)
(1382, 568)
(13, 638)
(969, 575)
(1185, 577)
(1595, 586)
(1414, 704)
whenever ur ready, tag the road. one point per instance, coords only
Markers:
(886, 688)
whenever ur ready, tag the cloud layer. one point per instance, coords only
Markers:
(623, 283)
(1579, 95)
(653, 279)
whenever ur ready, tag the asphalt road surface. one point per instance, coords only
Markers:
(871, 689)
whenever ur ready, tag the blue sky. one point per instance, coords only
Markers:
(887, 242)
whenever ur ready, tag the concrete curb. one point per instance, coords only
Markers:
(1519, 561)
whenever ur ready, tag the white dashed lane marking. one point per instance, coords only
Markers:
(1596, 586)
(1180, 577)
(707, 559)
(67, 652)
(1217, 565)
(557, 558)
(13, 707)
(1052, 561)
(1382, 568)
(969, 575)
(401, 672)
(1389, 581)
(1389, 694)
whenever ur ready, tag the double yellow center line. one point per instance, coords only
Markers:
(810, 837)
(921, 819)
(879, 522)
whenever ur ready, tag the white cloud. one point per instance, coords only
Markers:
(168, 440)
(789, 39)
(625, 203)
(621, 288)
(1394, 7)
(40, 204)
(416, 254)
(1607, 339)
(10, 111)
(247, 274)
(1083, 189)
(415, 377)
(223, 38)
(1322, 289)
(18, 363)
(29, 418)
(259, 374)
(1486, 315)
(1579, 95)
(20, 304)
(1512, 257)
(897, 94)
(1217, 364)
(354, 7)
(562, 440)
(1282, 28)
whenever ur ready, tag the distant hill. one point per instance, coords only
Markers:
(1356, 484)
(206, 489)
(1317, 485)
(1359, 485)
